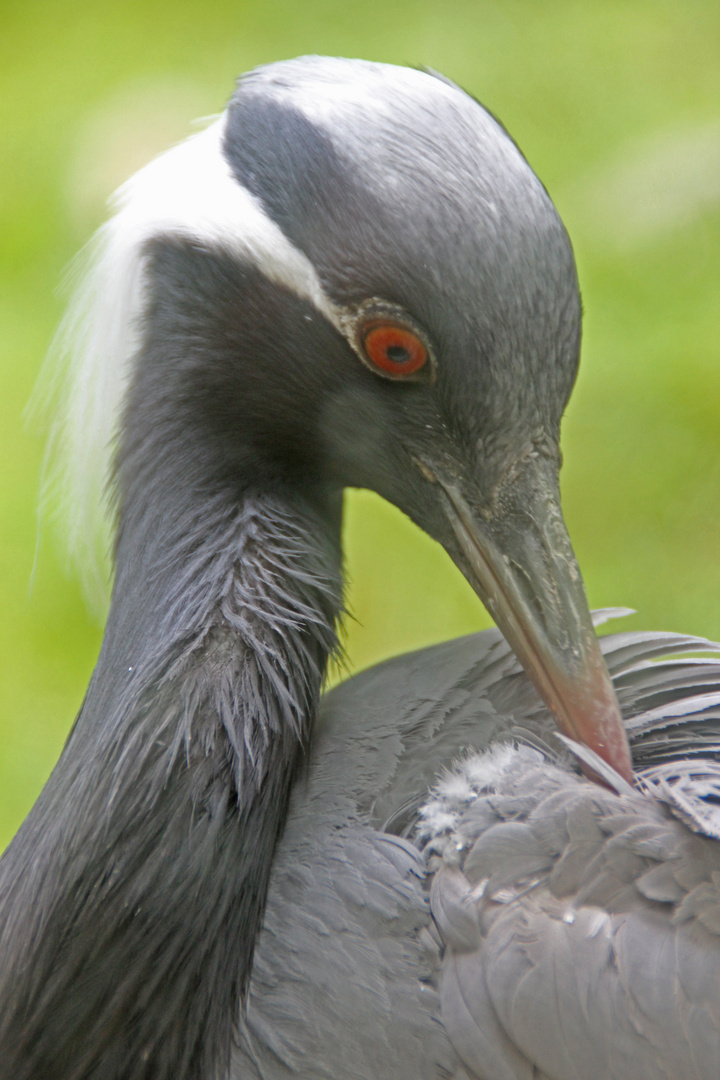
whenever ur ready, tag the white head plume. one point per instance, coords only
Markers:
(187, 191)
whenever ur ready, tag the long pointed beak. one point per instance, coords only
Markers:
(518, 558)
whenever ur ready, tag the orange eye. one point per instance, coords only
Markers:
(394, 349)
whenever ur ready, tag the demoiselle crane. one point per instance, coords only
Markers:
(352, 278)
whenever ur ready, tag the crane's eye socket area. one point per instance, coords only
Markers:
(393, 350)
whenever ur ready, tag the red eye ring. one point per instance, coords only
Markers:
(392, 348)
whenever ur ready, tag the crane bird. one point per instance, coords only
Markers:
(352, 278)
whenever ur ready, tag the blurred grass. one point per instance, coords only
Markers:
(617, 106)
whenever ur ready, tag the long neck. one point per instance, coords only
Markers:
(131, 897)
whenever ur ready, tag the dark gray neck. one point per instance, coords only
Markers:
(131, 897)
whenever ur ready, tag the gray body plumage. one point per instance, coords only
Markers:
(553, 929)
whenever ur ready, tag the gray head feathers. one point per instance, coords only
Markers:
(430, 167)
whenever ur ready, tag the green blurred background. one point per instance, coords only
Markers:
(616, 105)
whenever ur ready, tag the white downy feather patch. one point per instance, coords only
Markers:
(187, 191)
(475, 775)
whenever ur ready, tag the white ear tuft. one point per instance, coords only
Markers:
(187, 191)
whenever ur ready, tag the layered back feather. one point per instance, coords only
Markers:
(353, 977)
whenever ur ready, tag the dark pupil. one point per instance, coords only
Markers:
(398, 354)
